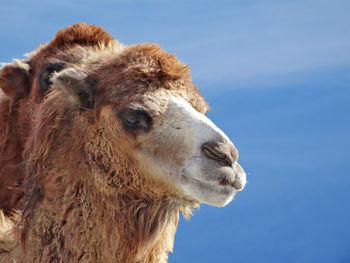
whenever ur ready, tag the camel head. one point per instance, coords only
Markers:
(136, 109)
(156, 116)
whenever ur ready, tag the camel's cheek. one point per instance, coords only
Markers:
(167, 146)
(170, 143)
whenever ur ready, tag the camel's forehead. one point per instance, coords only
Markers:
(155, 98)
(146, 72)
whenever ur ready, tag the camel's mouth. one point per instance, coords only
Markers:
(240, 179)
(218, 187)
(238, 182)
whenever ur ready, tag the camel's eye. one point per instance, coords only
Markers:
(135, 119)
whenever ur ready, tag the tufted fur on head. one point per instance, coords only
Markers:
(97, 143)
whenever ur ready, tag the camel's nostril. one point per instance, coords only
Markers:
(224, 153)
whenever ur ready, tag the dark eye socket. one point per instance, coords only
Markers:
(45, 74)
(135, 119)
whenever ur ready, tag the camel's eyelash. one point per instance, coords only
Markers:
(135, 119)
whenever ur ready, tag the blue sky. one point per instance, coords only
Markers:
(277, 77)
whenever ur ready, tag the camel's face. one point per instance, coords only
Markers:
(166, 133)
(177, 143)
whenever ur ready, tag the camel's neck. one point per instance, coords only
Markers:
(86, 206)
(73, 222)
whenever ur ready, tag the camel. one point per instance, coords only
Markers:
(102, 146)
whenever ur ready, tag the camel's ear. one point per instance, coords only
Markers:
(14, 79)
(77, 85)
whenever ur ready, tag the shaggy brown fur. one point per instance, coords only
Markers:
(69, 187)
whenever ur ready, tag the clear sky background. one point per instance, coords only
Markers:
(277, 77)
